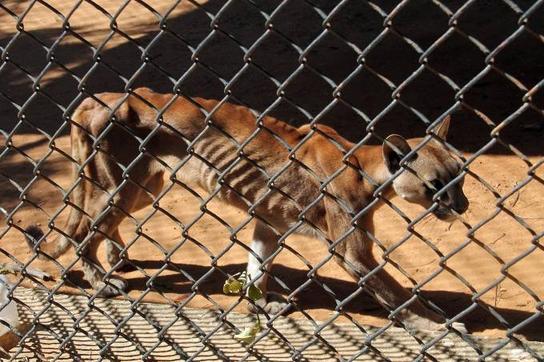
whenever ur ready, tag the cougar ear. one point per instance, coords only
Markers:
(442, 130)
(394, 149)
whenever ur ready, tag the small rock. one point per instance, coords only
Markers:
(518, 354)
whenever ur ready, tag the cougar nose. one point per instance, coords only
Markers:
(460, 204)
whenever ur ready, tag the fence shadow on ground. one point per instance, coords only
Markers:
(452, 303)
(460, 60)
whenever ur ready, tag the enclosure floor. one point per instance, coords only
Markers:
(139, 337)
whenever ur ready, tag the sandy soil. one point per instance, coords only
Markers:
(507, 234)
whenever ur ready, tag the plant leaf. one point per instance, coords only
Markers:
(254, 293)
(232, 286)
(249, 333)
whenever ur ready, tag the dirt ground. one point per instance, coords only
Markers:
(509, 233)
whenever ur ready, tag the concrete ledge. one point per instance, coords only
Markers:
(126, 333)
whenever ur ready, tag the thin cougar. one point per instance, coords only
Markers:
(224, 148)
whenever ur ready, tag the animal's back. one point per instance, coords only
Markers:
(236, 155)
(238, 159)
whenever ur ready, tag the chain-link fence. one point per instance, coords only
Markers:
(174, 192)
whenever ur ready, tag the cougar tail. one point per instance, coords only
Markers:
(34, 235)
(76, 226)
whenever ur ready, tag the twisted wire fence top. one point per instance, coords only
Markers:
(368, 69)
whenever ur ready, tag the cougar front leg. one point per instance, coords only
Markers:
(388, 292)
(139, 200)
(265, 242)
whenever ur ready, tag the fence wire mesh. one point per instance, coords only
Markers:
(368, 69)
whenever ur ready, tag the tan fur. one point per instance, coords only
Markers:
(215, 161)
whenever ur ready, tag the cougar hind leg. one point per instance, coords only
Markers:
(114, 248)
(129, 199)
(105, 228)
(142, 199)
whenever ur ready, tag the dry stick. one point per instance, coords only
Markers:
(16, 269)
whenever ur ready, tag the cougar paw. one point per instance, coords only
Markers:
(365, 302)
(126, 267)
(460, 327)
(113, 287)
(416, 324)
(272, 304)
(427, 326)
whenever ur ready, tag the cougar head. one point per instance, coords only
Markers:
(427, 173)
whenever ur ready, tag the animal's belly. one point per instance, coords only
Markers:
(246, 185)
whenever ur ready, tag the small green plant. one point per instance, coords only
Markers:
(235, 285)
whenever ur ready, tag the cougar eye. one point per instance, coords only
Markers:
(436, 186)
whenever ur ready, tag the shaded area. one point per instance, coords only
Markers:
(330, 59)
(314, 296)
